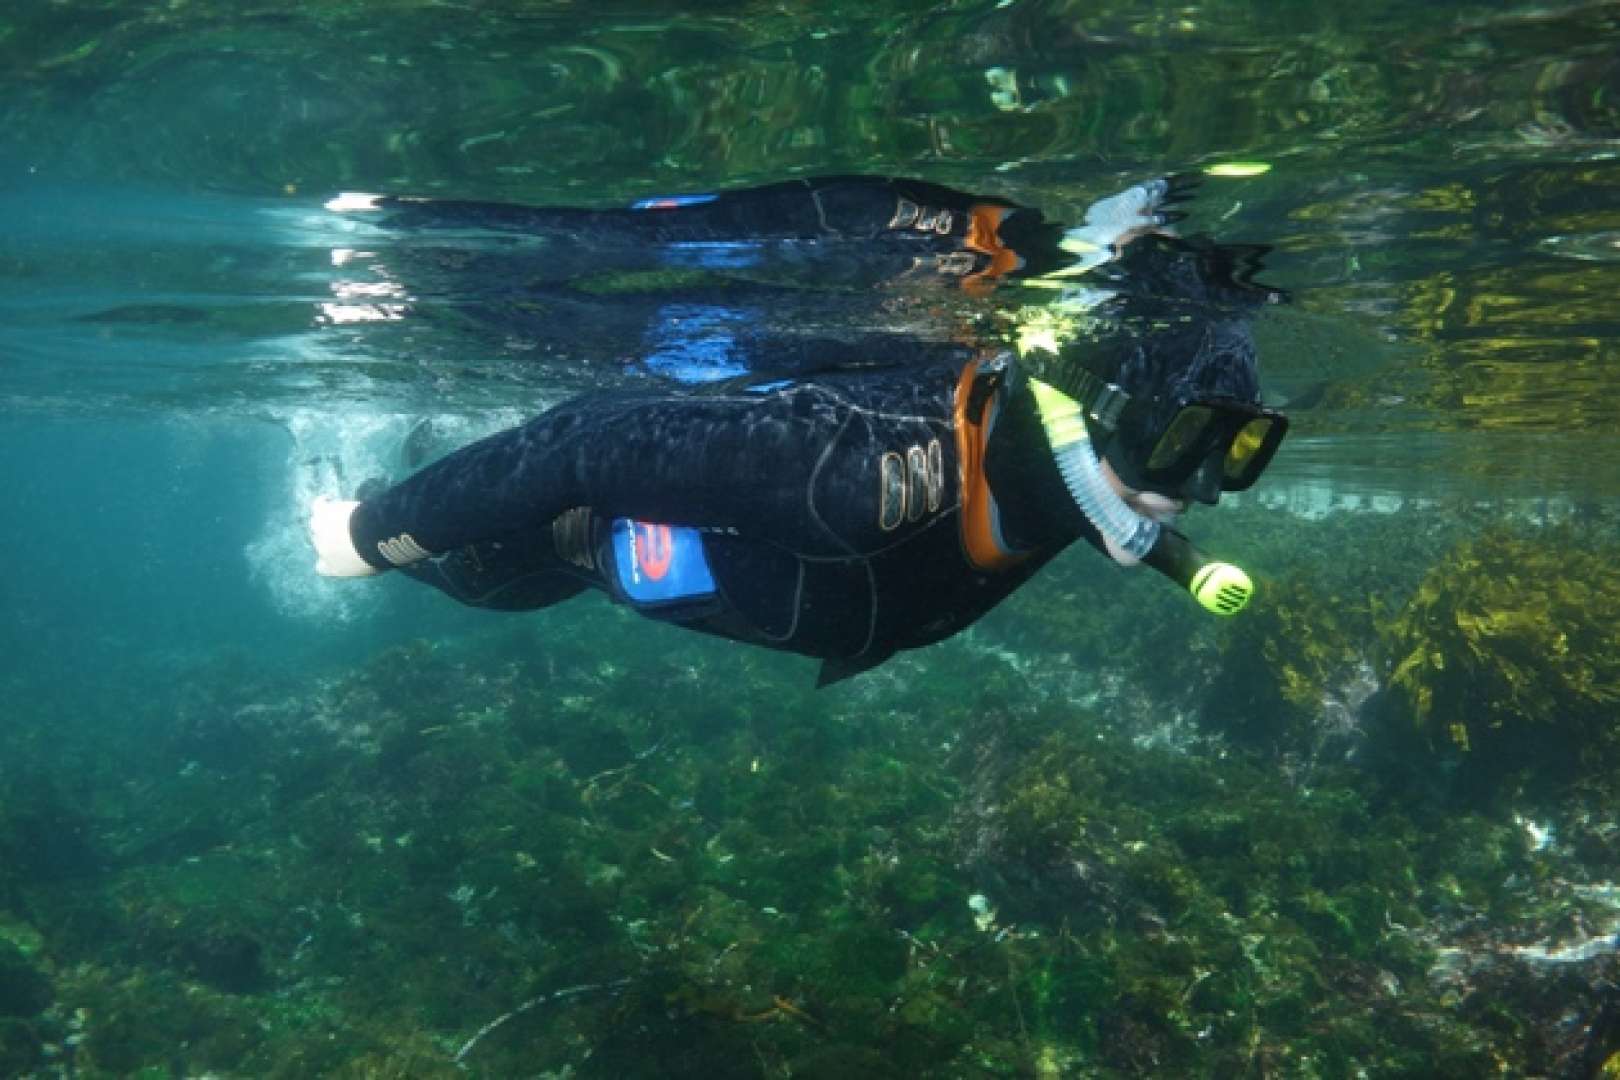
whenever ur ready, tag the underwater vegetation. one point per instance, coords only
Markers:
(1029, 851)
(1289, 677)
(1510, 654)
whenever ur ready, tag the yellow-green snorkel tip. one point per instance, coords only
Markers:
(1222, 588)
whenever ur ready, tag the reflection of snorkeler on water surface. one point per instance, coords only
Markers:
(763, 285)
(874, 502)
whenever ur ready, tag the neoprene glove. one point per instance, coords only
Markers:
(335, 554)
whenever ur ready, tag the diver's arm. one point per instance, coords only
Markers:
(511, 482)
(720, 461)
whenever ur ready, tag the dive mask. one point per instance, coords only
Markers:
(1150, 451)
(1243, 436)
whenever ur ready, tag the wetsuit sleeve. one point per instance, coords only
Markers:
(718, 462)
(818, 468)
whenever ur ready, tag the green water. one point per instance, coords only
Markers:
(257, 824)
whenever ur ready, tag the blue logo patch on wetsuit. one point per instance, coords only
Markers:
(660, 564)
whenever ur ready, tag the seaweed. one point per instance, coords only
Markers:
(492, 858)
(1508, 660)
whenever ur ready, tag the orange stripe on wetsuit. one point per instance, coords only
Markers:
(978, 514)
(983, 236)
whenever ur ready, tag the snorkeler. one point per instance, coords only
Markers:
(875, 504)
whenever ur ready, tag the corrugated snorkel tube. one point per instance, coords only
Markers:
(1065, 423)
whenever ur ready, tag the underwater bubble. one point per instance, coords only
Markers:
(331, 451)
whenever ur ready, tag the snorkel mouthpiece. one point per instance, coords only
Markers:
(1218, 587)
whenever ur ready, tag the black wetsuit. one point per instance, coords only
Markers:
(829, 507)
(882, 227)
(878, 496)
(790, 277)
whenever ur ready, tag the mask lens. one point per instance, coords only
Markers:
(1236, 440)
(1245, 448)
(1180, 439)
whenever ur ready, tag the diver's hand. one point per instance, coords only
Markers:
(335, 554)
(1119, 554)
(1150, 504)
(1112, 223)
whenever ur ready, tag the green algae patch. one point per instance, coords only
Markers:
(498, 860)
(1288, 662)
(1509, 656)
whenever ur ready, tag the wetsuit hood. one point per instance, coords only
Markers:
(1173, 330)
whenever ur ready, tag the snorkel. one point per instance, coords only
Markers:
(1218, 587)
(1209, 279)
(1065, 425)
